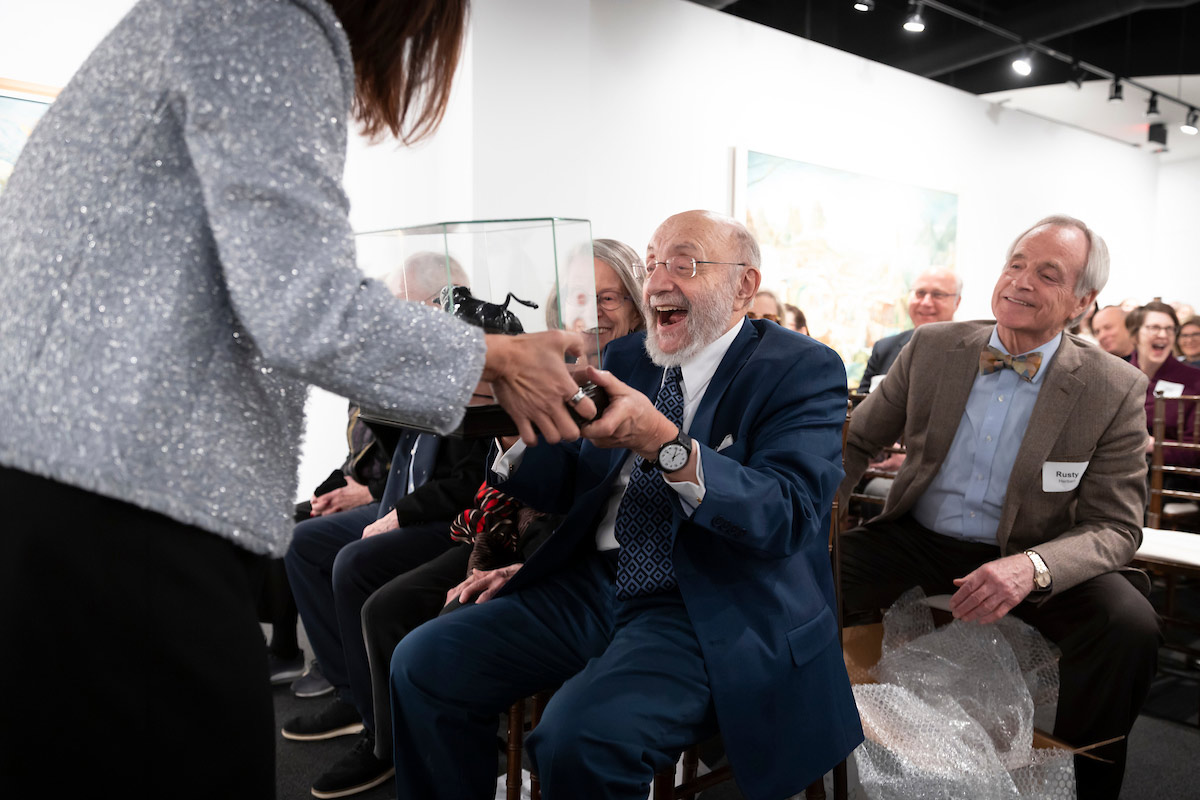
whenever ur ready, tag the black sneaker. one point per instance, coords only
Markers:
(357, 771)
(312, 683)
(285, 670)
(336, 719)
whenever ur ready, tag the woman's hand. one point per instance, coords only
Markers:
(529, 376)
(484, 583)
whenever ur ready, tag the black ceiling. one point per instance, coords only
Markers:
(1130, 38)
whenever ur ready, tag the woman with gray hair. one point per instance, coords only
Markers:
(618, 291)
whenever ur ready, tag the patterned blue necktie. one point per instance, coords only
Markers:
(644, 523)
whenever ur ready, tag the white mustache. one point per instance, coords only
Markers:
(669, 300)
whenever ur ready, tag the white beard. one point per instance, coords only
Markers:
(705, 323)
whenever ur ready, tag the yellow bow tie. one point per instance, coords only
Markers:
(992, 360)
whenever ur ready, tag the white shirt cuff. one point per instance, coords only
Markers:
(509, 460)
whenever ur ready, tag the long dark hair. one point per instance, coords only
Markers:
(405, 53)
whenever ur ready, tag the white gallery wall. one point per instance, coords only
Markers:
(625, 111)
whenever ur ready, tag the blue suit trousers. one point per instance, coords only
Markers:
(333, 571)
(634, 689)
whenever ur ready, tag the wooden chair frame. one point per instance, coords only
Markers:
(1155, 517)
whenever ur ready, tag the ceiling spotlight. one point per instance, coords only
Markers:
(1152, 106)
(914, 23)
(1023, 64)
(1116, 92)
(1078, 75)
(864, 5)
(1156, 137)
(1189, 127)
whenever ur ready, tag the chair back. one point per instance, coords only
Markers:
(1185, 438)
(857, 498)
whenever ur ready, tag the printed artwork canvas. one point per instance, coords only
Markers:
(845, 247)
(20, 109)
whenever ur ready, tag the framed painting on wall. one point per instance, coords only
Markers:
(842, 246)
(21, 106)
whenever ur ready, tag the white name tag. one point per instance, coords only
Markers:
(1062, 476)
(1168, 389)
(875, 381)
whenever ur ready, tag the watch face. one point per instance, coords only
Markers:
(672, 456)
(1041, 579)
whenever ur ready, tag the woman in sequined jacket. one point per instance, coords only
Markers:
(176, 263)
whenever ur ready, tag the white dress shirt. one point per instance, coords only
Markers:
(696, 375)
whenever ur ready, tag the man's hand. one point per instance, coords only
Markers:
(388, 522)
(352, 495)
(1149, 444)
(890, 464)
(630, 421)
(484, 583)
(529, 376)
(990, 592)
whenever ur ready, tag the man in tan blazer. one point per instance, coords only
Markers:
(1024, 486)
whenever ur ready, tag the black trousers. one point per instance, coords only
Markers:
(133, 661)
(1106, 629)
(392, 612)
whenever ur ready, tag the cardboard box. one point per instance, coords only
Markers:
(863, 645)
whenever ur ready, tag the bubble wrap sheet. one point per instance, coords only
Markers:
(951, 714)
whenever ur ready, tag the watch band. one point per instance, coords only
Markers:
(1042, 579)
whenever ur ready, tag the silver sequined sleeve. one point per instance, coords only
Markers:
(176, 264)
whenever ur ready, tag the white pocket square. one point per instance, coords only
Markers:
(728, 440)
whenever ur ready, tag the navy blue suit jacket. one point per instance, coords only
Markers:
(753, 561)
(883, 355)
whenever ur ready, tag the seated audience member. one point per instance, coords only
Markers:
(1031, 500)
(1187, 342)
(360, 480)
(934, 297)
(431, 479)
(665, 603)
(766, 306)
(1154, 337)
(794, 319)
(490, 534)
(1109, 327)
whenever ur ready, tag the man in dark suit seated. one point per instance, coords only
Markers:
(666, 602)
(1023, 488)
(934, 297)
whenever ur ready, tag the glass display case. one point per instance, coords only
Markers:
(514, 275)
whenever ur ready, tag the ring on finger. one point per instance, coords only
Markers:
(579, 395)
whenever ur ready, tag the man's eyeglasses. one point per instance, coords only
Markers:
(680, 267)
(921, 294)
(1189, 336)
(1169, 330)
(611, 301)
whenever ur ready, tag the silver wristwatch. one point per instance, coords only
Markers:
(1041, 573)
(674, 454)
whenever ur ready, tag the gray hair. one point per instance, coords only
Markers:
(747, 245)
(1095, 271)
(621, 257)
(424, 274)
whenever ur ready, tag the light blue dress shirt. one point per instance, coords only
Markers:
(966, 496)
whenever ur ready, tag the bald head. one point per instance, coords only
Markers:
(687, 311)
(934, 296)
(1108, 326)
